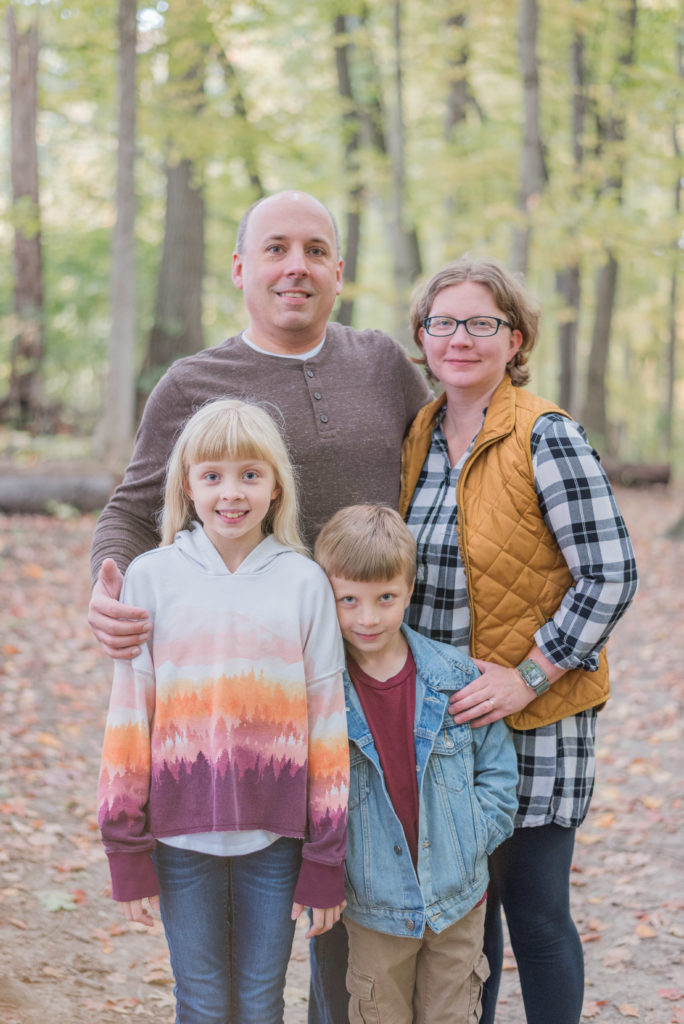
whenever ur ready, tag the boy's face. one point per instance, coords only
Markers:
(370, 614)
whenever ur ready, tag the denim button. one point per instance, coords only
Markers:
(398, 850)
(410, 925)
(324, 418)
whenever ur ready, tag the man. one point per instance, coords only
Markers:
(343, 398)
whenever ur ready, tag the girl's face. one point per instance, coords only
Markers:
(464, 363)
(231, 498)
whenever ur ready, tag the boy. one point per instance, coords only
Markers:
(428, 800)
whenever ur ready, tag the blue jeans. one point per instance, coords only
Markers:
(328, 997)
(228, 927)
(530, 879)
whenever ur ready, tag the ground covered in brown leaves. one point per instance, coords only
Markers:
(67, 957)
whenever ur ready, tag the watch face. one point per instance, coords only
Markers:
(532, 674)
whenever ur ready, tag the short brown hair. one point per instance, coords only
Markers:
(508, 292)
(366, 543)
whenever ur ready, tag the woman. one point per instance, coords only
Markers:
(525, 563)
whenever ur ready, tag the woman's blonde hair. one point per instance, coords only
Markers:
(509, 294)
(231, 429)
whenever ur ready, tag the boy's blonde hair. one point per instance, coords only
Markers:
(366, 543)
(231, 429)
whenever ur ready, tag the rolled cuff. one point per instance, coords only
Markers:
(133, 876)
(319, 885)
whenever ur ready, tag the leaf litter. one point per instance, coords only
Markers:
(66, 954)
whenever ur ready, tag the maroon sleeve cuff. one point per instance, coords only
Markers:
(319, 885)
(133, 876)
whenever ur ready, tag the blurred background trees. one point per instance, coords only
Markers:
(546, 135)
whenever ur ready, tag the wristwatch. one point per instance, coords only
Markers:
(533, 676)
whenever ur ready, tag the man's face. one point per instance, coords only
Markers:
(289, 271)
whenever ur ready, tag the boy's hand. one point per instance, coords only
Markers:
(322, 918)
(135, 910)
(119, 628)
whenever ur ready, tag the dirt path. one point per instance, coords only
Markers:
(65, 954)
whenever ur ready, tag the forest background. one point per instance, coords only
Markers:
(134, 136)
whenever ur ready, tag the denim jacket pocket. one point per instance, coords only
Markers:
(452, 756)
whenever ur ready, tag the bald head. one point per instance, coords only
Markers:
(295, 197)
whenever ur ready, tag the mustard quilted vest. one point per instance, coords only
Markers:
(515, 572)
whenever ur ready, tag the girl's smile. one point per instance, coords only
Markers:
(231, 499)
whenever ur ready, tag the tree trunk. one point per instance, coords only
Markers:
(407, 261)
(457, 60)
(532, 167)
(595, 418)
(611, 134)
(116, 430)
(25, 388)
(669, 411)
(568, 289)
(352, 141)
(177, 329)
(247, 152)
(40, 493)
(568, 280)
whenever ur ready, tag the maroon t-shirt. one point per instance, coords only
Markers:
(390, 708)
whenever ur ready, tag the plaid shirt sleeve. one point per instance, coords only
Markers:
(579, 508)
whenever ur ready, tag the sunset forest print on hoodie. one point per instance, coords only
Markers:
(232, 717)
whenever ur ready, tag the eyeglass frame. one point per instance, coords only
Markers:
(499, 323)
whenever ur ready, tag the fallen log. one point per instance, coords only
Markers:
(38, 493)
(637, 474)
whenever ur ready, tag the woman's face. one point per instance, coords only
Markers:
(463, 362)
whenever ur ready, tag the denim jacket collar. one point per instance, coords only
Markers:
(437, 678)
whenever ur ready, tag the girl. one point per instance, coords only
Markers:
(225, 769)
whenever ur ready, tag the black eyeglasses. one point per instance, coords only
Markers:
(477, 326)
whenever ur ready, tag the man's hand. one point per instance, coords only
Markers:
(322, 918)
(135, 910)
(119, 628)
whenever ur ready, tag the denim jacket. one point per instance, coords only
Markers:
(467, 798)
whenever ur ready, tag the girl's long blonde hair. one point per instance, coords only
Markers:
(231, 429)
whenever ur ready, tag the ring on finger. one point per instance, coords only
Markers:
(491, 702)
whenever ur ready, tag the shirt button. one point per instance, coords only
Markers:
(398, 850)
(324, 418)
(309, 373)
(317, 396)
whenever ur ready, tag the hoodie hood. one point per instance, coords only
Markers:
(195, 546)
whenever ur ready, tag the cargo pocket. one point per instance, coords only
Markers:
(362, 1006)
(477, 980)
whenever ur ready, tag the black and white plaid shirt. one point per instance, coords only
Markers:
(556, 762)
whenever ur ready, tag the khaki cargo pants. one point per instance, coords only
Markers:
(433, 980)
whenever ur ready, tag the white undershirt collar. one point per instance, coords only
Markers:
(285, 355)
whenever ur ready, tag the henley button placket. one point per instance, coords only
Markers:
(318, 401)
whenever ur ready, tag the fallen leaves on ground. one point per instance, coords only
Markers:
(67, 956)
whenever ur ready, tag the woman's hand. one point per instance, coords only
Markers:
(498, 692)
(135, 910)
